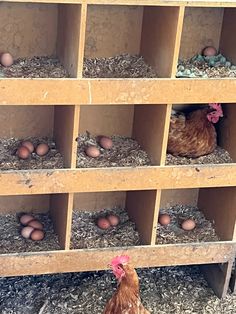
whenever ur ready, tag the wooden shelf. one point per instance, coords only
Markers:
(96, 259)
(192, 3)
(114, 179)
(43, 92)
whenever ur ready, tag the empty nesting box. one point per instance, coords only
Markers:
(116, 35)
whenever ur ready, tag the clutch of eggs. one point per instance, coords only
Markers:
(33, 229)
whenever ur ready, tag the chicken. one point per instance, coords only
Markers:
(194, 135)
(126, 299)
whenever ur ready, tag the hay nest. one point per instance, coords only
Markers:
(11, 240)
(9, 161)
(86, 234)
(218, 156)
(43, 67)
(120, 66)
(125, 152)
(173, 233)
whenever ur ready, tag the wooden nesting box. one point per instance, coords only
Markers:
(62, 108)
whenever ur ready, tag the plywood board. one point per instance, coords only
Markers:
(165, 136)
(227, 46)
(66, 121)
(148, 129)
(179, 197)
(98, 259)
(142, 207)
(219, 205)
(83, 23)
(115, 91)
(202, 27)
(113, 30)
(159, 37)
(115, 179)
(28, 30)
(227, 130)
(30, 121)
(69, 20)
(193, 3)
(61, 212)
(106, 120)
(24, 203)
(99, 201)
(218, 277)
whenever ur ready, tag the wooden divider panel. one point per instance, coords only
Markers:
(69, 22)
(218, 277)
(61, 206)
(142, 209)
(227, 130)
(149, 128)
(83, 21)
(227, 46)
(159, 35)
(66, 120)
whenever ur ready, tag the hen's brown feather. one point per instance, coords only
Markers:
(126, 299)
(192, 135)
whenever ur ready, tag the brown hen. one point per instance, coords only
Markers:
(126, 299)
(194, 135)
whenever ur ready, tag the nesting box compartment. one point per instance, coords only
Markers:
(86, 37)
(204, 27)
(42, 30)
(148, 31)
(135, 211)
(132, 145)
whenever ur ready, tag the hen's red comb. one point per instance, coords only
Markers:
(121, 259)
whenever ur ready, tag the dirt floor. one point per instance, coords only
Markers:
(170, 290)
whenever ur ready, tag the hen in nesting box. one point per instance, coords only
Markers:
(194, 135)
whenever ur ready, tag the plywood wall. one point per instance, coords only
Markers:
(202, 27)
(20, 121)
(99, 201)
(107, 120)
(174, 197)
(29, 203)
(28, 29)
(113, 30)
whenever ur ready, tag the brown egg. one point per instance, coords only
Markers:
(35, 224)
(37, 235)
(26, 232)
(105, 142)
(28, 145)
(103, 223)
(6, 59)
(23, 152)
(113, 220)
(188, 224)
(25, 219)
(209, 51)
(164, 219)
(42, 149)
(92, 151)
